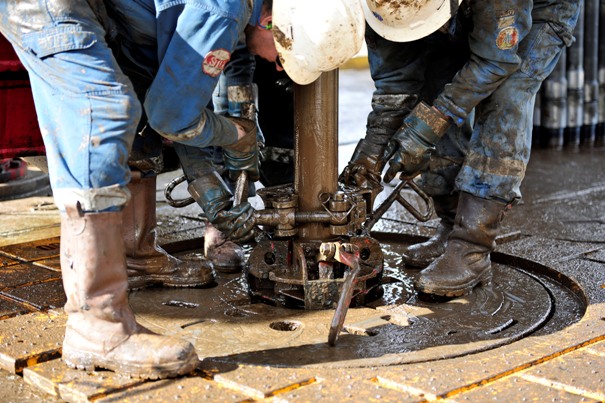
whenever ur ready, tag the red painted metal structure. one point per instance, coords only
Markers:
(19, 131)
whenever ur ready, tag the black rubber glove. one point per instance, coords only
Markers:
(243, 155)
(213, 195)
(412, 144)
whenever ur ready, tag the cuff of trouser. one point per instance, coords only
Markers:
(211, 130)
(451, 110)
(210, 188)
(109, 198)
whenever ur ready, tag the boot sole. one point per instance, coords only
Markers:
(484, 279)
(89, 361)
(139, 282)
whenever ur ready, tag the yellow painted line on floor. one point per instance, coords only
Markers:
(520, 368)
(563, 387)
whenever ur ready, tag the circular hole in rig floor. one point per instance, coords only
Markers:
(285, 326)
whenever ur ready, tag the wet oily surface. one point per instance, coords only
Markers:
(398, 328)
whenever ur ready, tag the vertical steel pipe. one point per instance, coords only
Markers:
(591, 66)
(600, 136)
(554, 106)
(316, 145)
(536, 135)
(575, 80)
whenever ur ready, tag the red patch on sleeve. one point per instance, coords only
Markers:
(215, 62)
(507, 38)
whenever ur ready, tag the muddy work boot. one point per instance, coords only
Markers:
(147, 263)
(101, 331)
(226, 256)
(422, 254)
(466, 262)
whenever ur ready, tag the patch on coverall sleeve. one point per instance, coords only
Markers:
(215, 62)
(508, 36)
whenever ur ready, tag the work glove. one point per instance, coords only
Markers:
(365, 168)
(243, 155)
(412, 144)
(213, 195)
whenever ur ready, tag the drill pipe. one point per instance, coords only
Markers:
(554, 106)
(591, 79)
(575, 79)
(600, 135)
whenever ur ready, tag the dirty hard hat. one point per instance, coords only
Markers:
(408, 20)
(315, 36)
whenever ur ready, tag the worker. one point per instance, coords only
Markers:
(147, 262)
(235, 95)
(246, 83)
(513, 47)
(88, 114)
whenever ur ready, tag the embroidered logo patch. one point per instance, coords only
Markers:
(507, 38)
(215, 62)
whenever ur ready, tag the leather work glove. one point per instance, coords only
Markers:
(213, 195)
(243, 155)
(365, 168)
(412, 144)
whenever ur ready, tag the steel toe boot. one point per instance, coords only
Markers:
(147, 262)
(466, 261)
(101, 329)
(423, 254)
(226, 256)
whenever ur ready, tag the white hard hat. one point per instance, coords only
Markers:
(314, 36)
(408, 20)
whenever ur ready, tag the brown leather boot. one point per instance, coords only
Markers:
(423, 254)
(466, 262)
(147, 263)
(101, 330)
(226, 256)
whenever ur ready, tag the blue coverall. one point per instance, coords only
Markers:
(87, 108)
(514, 45)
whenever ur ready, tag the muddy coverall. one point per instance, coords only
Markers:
(405, 73)
(88, 113)
(514, 45)
(87, 109)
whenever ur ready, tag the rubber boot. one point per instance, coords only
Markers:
(147, 263)
(101, 329)
(466, 262)
(423, 254)
(226, 256)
